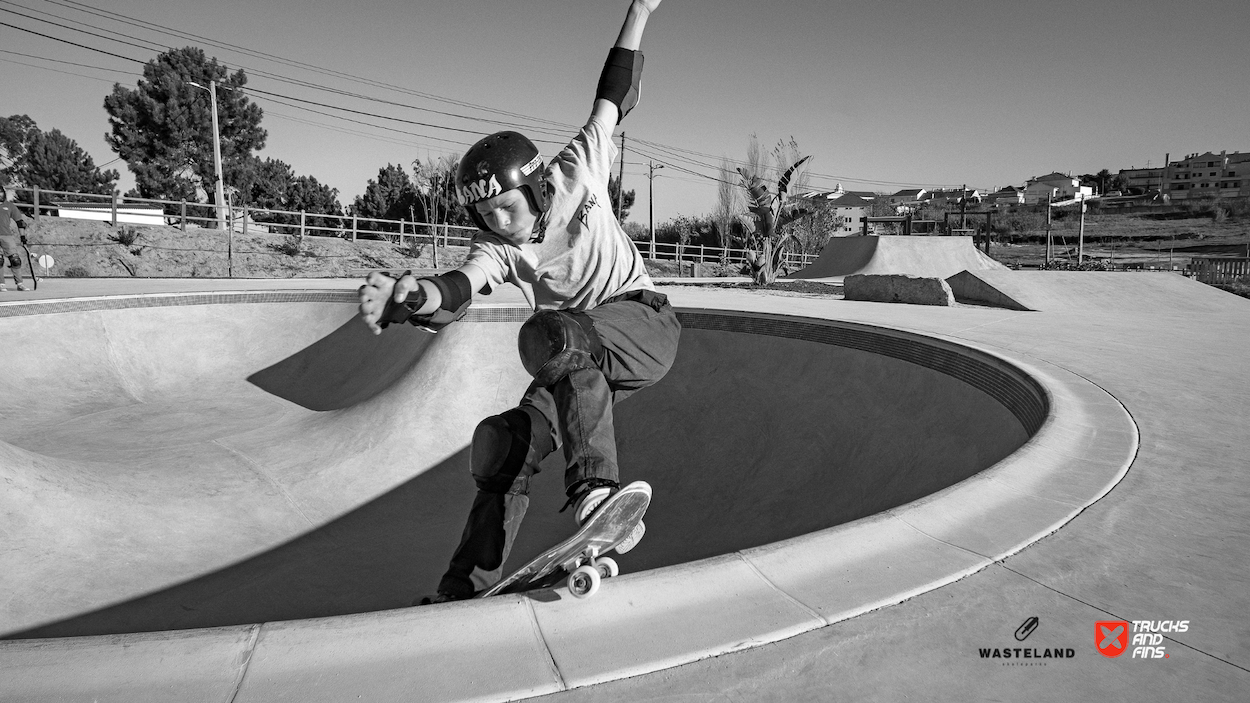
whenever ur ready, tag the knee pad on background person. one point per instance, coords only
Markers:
(555, 343)
(501, 447)
(15, 261)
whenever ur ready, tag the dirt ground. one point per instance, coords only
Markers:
(1121, 240)
(95, 249)
(82, 248)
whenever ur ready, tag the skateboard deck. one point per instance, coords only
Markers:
(31, 263)
(580, 556)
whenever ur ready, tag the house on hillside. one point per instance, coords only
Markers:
(1055, 186)
(1208, 175)
(1141, 180)
(845, 207)
(953, 196)
(1006, 197)
(908, 199)
(847, 211)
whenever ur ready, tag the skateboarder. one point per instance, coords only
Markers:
(9, 245)
(600, 332)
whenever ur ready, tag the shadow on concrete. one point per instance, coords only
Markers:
(346, 367)
(750, 439)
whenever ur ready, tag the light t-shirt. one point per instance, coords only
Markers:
(584, 257)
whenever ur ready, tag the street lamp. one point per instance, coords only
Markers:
(651, 201)
(219, 196)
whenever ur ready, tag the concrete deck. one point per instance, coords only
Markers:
(1167, 543)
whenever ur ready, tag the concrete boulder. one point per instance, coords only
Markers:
(896, 288)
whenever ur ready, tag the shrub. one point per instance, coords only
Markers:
(126, 236)
(291, 246)
(77, 272)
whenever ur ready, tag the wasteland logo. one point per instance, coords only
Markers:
(1026, 656)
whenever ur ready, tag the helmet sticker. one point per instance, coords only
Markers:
(534, 163)
(479, 190)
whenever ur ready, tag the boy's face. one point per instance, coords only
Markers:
(508, 215)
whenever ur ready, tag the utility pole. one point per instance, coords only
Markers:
(651, 167)
(1080, 237)
(1050, 198)
(620, 183)
(218, 189)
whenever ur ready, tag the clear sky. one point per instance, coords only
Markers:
(884, 95)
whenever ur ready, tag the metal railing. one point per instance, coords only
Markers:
(180, 213)
(701, 254)
(243, 219)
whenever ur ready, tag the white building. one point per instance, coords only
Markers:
(847, 211)
(1055, 186)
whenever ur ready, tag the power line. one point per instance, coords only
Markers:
(662, 153)
(55, 70)
(151, 26)
(68, 63)
(675, 153)
(152, 46)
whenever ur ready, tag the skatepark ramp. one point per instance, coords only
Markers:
(1164, 292)
(235, 496)
(223, 461)
(932, 257)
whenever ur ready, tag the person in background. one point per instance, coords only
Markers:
(12, 225)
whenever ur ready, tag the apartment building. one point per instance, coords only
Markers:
(1208, 175)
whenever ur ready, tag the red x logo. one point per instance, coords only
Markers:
(1111, 636)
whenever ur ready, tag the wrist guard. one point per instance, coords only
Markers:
(457, 295)
(621, 80)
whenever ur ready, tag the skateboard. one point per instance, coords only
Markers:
(31, 263)
(580, 556)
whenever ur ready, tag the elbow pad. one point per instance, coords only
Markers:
(621, 80)
(457, 295)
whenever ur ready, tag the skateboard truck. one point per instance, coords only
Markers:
(587, 571)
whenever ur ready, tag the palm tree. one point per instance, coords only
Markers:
(770, 212)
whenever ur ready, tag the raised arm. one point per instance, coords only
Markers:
(619, 85)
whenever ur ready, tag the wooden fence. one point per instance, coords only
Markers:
(1218, 269)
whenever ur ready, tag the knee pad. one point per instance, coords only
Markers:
(499, 450)
(15, 261)
(555, 343)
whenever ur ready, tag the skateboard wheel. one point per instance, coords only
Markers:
(584, 582)
(607, 567)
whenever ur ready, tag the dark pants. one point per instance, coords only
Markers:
(11, 247)
(639, 335)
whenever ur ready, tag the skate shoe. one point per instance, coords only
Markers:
(22, 286)
(438, 598)
(3, 288)
(585, 506)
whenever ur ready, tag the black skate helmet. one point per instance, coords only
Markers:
(499, 163)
